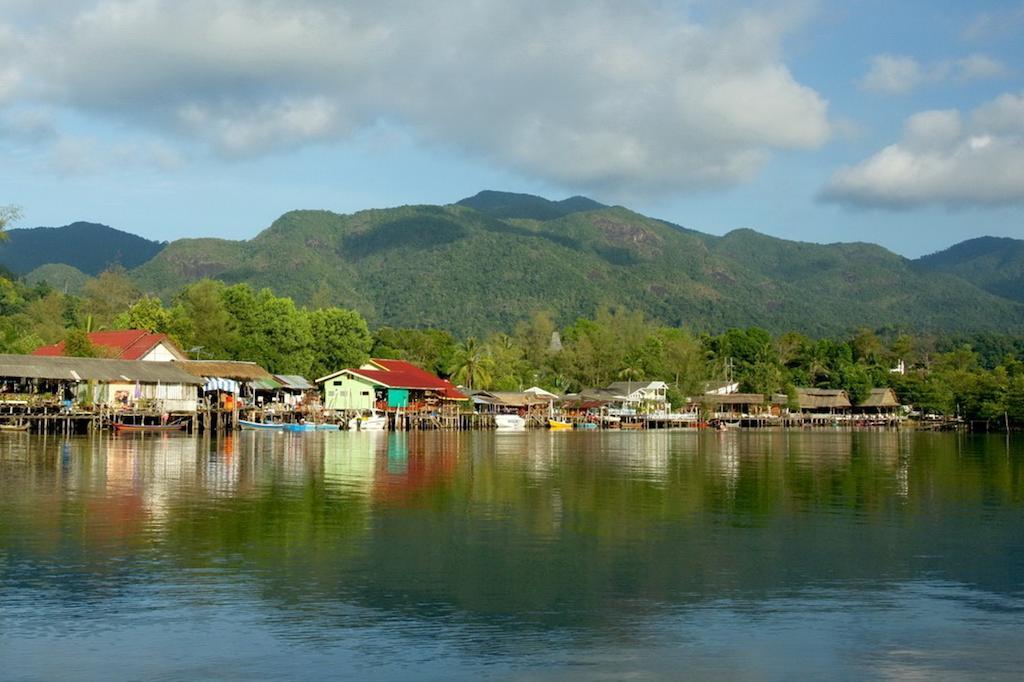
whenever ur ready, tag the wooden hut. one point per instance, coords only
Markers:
(823, 403)
(36, 387)
(880, 404)
(735, 406)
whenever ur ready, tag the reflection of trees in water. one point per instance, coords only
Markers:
(539, 528)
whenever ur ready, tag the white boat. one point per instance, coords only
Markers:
(509, 422)
(368, 422)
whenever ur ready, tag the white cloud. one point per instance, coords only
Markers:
(998, 23)
(943, 158)
(899, 74)
(591, 94)
(978, 67)
(1004, 114)
(892, 74)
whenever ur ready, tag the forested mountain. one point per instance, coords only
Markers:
(64, 278)
(995, 264)
(488, 261)
(89, 247)
(527, 206)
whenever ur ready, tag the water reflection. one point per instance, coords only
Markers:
(522, 544)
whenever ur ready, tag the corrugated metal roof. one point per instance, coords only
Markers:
(400, 374)
(294, 382)
(93, 369)
(265, 384)
(122, 344)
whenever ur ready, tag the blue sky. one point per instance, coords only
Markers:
(896, 123)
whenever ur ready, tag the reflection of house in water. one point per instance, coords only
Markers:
(155, 469)
(350, 460)
(414, 463)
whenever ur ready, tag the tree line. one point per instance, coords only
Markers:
(979, 377)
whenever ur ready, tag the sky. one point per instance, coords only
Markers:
(899, 123)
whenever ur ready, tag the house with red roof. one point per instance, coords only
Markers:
(125, 344)
(383, 384)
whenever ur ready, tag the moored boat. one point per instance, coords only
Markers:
(14, 427)
(246, 424)
(147, 428)
(299, 427)
(509, 422)
(557, 425)
(370, 422)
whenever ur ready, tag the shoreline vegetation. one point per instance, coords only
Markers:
(978, 378)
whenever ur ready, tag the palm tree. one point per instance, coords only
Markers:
(470, 364)
(8, 214)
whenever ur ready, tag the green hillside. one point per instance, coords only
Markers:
(505, 205)
(89, 247)
(63, 278)
(995, 264)
(464, 269)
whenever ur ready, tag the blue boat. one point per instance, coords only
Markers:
(245, 424)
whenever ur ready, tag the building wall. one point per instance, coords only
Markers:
(160, 353)
(172, 397)
(346, 392)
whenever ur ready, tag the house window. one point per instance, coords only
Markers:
(365, 393)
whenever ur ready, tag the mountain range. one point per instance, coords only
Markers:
(89, 247)
(488, 261)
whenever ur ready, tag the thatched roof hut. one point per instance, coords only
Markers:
(227, 369)
(881, 399)
(823, 400)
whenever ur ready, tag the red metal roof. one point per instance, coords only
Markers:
(402, 374)
(125, 344)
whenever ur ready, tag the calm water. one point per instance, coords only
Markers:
(529, 556)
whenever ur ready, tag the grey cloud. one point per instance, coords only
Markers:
(588, 94)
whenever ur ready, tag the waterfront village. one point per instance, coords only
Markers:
(147, 383)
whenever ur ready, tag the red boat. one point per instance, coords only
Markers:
(147, 428)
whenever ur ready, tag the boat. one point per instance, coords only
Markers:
(302, 426)
(147, 428)
(557, 425)
(587, 426)
(246, 424)
(509, 422)
(327, 427)
(368, 422)
(14, 427)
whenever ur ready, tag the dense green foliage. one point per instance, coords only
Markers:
(504, 205)
(465, 270)
(995, 264)
(208, 319)
(486, 263)
(630, 298)
(980, 376)
(88, 247)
